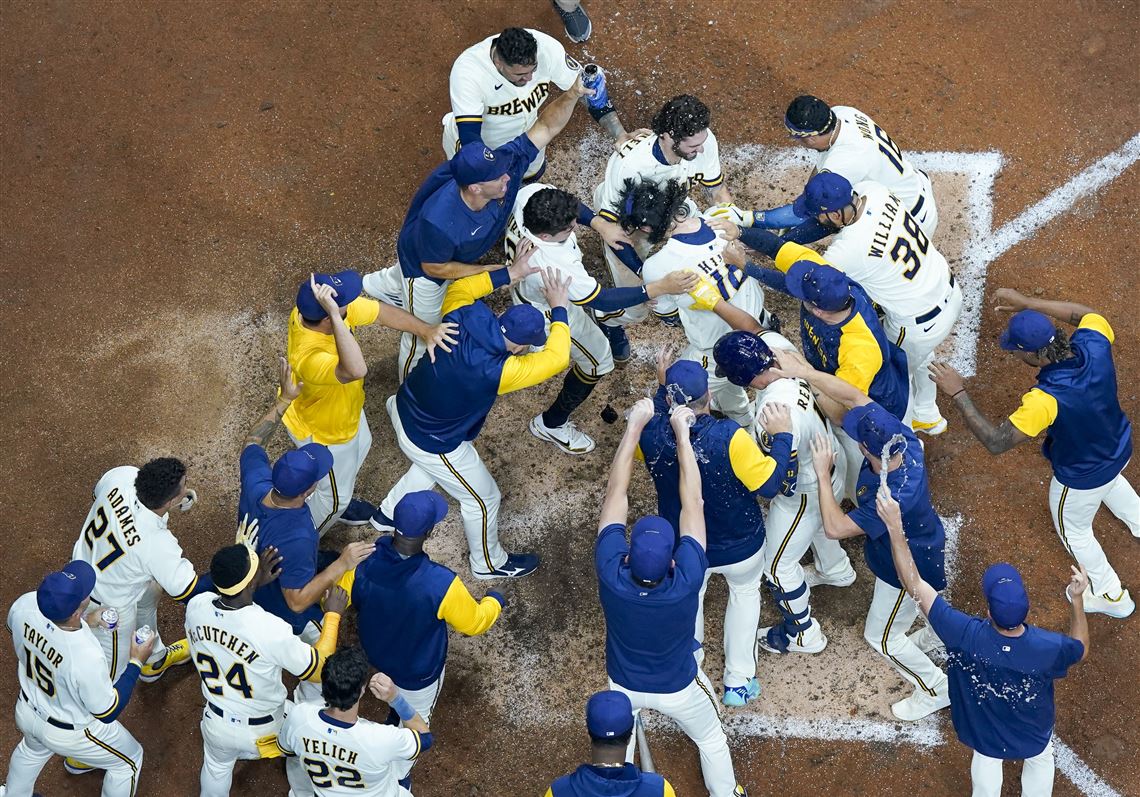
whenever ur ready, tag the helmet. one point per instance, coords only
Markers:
(740, 356)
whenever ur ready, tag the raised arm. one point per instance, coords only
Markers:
(692, 519)
(1078, 622)
(921, 591)
(1011, 301)
(439, 335)
(837, 525)
(556, 114)
(350, 364)
(997, 438)
(288, 390)
(615, 507)
(792, 364)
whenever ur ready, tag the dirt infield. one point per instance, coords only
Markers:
(171, 171)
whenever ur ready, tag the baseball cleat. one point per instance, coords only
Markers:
(737, 696)
(175, 655)
(932, 428)
(671, 320)
(381, 522)
(739, 791)
(619, 342)
(926, 640)
(73, 766)
(793, 647)
(920, 705)
(517, 565)
(1119, 607)
(816, 579)
(577, 23)
(357, 513)
(568, 437)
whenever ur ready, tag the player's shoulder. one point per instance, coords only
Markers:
(871, 188)
(551, 54)
(847, 112)
(635, 154)
(23, 607)
(476, 55)
(121, 476)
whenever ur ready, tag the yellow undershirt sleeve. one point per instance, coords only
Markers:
(326, 645)
(346, 581)
(528, 370)
(1037, 412)
(668, 790)
(860, 357)
(466, 615)
(465, 291)
(751, 465)
(1099, 323)
(792, 252)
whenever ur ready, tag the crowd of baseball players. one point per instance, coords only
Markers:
(754, 449)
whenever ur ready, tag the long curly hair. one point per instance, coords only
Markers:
(646, 204)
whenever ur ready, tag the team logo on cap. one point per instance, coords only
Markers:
(69, 575)
(334, 281)
(488, 155)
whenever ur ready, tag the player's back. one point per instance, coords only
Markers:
(62, 674)
(239, 654)
(642, 159)
(887, 253)
(807, 422)
(863, 151)
(565, 256)
(342, 759)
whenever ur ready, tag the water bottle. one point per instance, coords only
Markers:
(143, 635)
(110, 618)
(594, 78)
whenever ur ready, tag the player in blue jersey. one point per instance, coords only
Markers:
(734, 472)
(891, 453)
(406, 603)
(609, 721)
(1001, 669)
(650, 588)
(1088, 438)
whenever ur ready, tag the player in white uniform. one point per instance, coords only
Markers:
(691, 244)
(67, 706)
(881, 246)
(680, 147)
(794, 522)
(333, 752)
(498, 85)
(126, 539)
(545, 216)
(240, 650)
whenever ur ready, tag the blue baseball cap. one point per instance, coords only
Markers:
(608, 714)
(298, 470)
(651, 543)
(523, 324)
(685, 381)
(824, 193)
(824, 286)
(417, 513)
(874, 427)
(1005, 593)
(62, 592)
(347, 285)
(477, 163)
(741, 356)
(1028, 330)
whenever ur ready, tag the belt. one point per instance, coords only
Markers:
(67, 726)
(268, 718)
(922, 319)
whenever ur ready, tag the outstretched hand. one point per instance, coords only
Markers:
(325, 296)
(640, 413)
(289, 389)
(1078, 581)
(441, 336)
(1007, 300)
(949, 381)
(822, 456)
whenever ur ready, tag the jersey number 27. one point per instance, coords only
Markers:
(97, 530)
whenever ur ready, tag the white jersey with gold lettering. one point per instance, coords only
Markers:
(342, 759)
(641, 159)
(240, 653)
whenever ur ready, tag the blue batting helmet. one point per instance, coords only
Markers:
(740, 356)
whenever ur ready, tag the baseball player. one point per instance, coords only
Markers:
(333, 751)
(126, 539)
(545, 216)
(240, 651)
(794, 521)
(275, 496)
(883, 248)
(67, 706)
(650, 593)
(680, 147)
(850, 144)
(1088, 438)
(734, 472)
(440, 408)
(660, 212)
(609, 721)
(892, 456)
(459, 212)
(498, 85)
(406, 603)
(326, 357)
(1001, 670)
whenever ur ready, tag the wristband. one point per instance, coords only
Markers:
(136, 662)
(403, 708)
(960, 392)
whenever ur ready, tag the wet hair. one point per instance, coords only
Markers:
(229, 566)
(550, 211)
(1058, 349)
(157, 481)
(343, 676)
(646, 204)
(809, 116)
(612, 741)
(517, 47)
(681, 117)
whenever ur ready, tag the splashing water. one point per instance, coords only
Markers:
(886, 458)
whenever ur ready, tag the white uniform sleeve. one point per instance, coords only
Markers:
(175, 574)
(466, 93)
(709, 170)
(287, 736)
(94, 689)
(400, 744)
(843, 253)
(850, 162)
(289, 652)
(559, 67)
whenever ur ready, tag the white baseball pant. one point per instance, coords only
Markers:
(853, 456)
(423, 701)
(333, 493)
(590, 354)
(107, 746)
(225, 741)
(451, 145)
(116, 644)
(1073, 512)
(730, 399)
(462, 475)
(420, 296)
(919, 341)
(890, 617)
(1036, 774)
(741, 617)
(384, 285)
(695, 709)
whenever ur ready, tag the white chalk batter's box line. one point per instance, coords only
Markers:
(983, 246)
